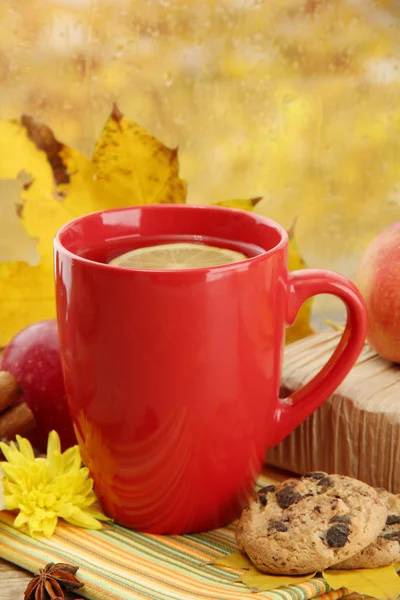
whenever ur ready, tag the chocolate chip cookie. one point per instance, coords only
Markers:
(385, 550)
(308, 524)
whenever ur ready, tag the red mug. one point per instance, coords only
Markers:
(173, 377)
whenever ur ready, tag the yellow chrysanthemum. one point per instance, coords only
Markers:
(46, 489)
(2, 501)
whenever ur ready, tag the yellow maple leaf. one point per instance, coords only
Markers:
(11, 226)
(262, 582)
(383, 583)
(129, 166)
(255, 579)
(234, 560)
(133, 167)
(301, 327)
(241, 204)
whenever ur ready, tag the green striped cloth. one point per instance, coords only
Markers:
(119, 564)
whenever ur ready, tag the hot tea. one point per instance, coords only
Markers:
(232, 251)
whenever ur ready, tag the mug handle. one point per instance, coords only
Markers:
(302, 285)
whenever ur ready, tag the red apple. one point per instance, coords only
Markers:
(378, 279)
(33, 357)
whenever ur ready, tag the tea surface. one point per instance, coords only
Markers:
(116, 247)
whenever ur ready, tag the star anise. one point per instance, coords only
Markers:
(53, 582)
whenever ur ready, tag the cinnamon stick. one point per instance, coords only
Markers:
(10, 390)
(17, 419)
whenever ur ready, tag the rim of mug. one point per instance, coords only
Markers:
(58, 245)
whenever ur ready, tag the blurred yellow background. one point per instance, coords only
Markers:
(297, 101)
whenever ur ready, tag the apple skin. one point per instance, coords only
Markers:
(378, 279)
(33, 357)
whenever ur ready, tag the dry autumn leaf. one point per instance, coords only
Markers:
(234, 560)
(383, 583)
(255, 579)
(301, 327)
(241, 204)
(11, 208)
(129, 166)
(262, 582)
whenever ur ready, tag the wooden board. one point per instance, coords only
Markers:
(13, 581)
(356, 431)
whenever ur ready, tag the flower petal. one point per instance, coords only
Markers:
(53, 444)
(2, 499)
(97, 514)
(21, 519)
(55, 463)
(12, 473)
(83, 519)
(25, 448)
(69, 456)
(48, 526)
(13, 455)
(66, 511)
(6, 450)
(12, 502)
(34, 526)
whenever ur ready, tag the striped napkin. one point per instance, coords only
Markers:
(118, 564)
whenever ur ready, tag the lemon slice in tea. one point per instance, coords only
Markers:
(177, 256)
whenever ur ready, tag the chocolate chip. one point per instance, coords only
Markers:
(317, 509)
(341, 519)
(288, 496)
(393, 520)
(315, 475)
(326, 482)
(395, 536)
(337, 535)
(267, 489)
(262, 498)
(262, 494)
(277, 526)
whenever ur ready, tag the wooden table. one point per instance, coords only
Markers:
(13, 581)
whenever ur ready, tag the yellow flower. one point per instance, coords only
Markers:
(46, 489)
(2, 501)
